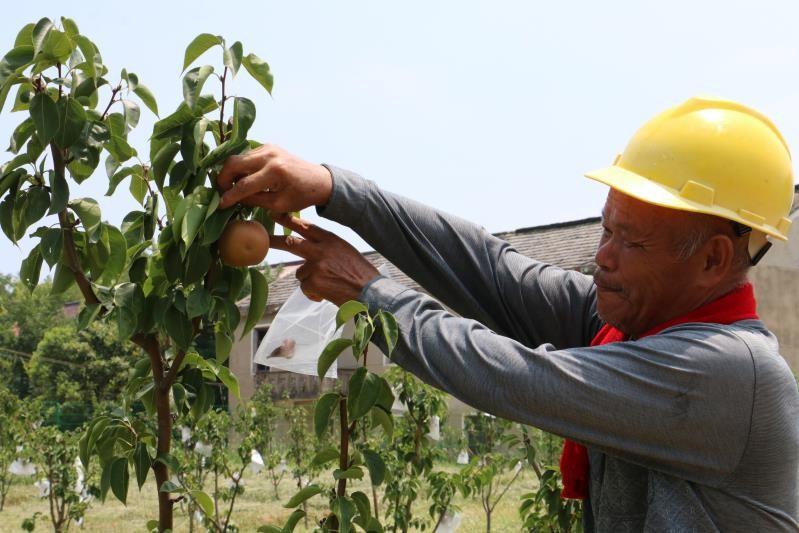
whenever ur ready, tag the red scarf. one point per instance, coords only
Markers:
(734, 306)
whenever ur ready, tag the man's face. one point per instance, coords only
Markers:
(640, 281)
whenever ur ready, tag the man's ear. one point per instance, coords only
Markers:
(718, 254)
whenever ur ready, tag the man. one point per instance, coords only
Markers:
(658, 364)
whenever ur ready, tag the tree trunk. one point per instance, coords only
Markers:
(160, 469)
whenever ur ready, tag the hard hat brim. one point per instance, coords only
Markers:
(648, 191)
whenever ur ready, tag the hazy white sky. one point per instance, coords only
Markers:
(489, 110)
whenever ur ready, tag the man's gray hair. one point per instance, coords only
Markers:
(695, 235)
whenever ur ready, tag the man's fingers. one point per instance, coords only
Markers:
(235, 166)
(295, 245)
(259, 199)
(301, 226)
(244, 187)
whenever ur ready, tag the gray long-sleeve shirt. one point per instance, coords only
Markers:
(693, 429)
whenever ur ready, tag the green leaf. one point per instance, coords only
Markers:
(345, 510)
(364, 388)
(88, 211)
(130, 296)
(232, 57)
(142, 463)
(178, 327)
(193, 83)
(198, 302)
(25, 36)
(120, 478)
(390, 329)
(147, 98)
(385, 398)
(36, 207)
(305, 494)
(57, 46)
(62, 279)
(215, 225)
(193, 219)
(167, 126)
(169, 486)
(325, 456)
(51, 245)
(364, 508)
(14, 62)
(40, 32)
(259, 70)
(22, 133)
(89, 50)
(198, 262)
(87, 315)
(31, 268)
(230, 380)
(70, 27)
(223, 151)
(292, 522)
(117, 255)
(330, 354)
(362, 335)
(325, 406)
(117, 178)
(71, 119)
(59, 192)
(223, 345)
(138, 188)
(44, 113)
(258, 296)
(348, 310)
(7, 217)
(162, 160)
(383, 419)
(132, 113)
(375, 465)
(204, 501)
(198, 46)
(118, 147)
(354, 472)
(243, 118)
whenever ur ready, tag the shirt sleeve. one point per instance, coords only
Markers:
(679, 402)
(472, 272)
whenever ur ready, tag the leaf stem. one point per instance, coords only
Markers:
(111, 102)
(222, 109)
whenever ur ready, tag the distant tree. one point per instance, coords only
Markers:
(24, 318)
(90, 365)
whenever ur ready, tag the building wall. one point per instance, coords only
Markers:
(776, 281)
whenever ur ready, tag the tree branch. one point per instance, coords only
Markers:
(222, 109)
(73, 262)
(111, 102)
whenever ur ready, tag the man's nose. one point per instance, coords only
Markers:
(606, 257)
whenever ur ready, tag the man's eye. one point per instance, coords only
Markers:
(630, 244)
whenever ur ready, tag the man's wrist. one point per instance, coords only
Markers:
(324, 186)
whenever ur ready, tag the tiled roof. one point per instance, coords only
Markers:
(569, 245)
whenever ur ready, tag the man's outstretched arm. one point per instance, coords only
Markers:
(469, 270)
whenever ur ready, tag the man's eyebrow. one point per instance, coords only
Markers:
(620, 225)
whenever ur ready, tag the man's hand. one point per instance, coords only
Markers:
(271, 178)
(333, 269)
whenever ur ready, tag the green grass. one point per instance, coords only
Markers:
(256, 507)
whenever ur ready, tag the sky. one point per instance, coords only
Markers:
(488, 110)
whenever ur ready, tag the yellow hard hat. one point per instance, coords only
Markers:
(712, 156)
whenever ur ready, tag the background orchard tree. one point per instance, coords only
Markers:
(364, 406)
(410, 453)
(496, 449)
(265, 415)
(158, 275)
